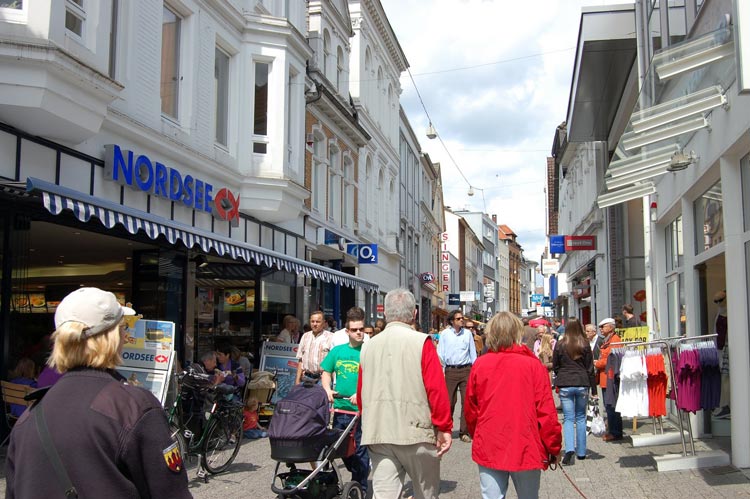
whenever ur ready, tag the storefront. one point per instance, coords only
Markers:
(171, 240)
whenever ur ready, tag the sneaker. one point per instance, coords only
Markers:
(465, 438)
(723, 413)
(569, 458)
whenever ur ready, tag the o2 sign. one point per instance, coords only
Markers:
(364, 253)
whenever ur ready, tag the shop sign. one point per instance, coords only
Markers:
(426, 277)
(550, 266)
(575, 243)
(454, 299)
(141, 173)
(280, 358)
(467, 296)
(445, 264)
(556, 244)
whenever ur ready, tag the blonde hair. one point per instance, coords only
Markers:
(503, 331)
(545, 346)
(252, 404)
(71, 350)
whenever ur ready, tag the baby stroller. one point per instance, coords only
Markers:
(299, 433)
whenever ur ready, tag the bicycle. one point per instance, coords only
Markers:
(220, 436)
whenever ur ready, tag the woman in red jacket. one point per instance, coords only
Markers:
(510, 413)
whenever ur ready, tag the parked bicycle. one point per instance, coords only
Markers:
(212, 427)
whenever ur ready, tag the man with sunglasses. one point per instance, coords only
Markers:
(343, 360)
(457, 353)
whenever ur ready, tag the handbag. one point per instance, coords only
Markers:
(594, 421)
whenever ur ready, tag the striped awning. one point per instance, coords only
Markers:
(57, 198)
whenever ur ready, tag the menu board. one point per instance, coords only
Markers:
(204, 304)
(38, 303)
(156, 335)
(239, 300)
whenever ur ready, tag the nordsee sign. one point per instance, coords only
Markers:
(141, 173)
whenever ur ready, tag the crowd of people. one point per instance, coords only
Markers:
(406, 424)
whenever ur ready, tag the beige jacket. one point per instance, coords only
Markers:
(395, 409)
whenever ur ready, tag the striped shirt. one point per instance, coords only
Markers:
(313, 349)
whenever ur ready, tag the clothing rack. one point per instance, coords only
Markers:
(628, 345)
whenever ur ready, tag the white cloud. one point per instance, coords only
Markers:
(497, 120)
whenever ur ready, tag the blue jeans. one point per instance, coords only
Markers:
(494, 483)
(359, 462)
(574, 400)
(254, 433)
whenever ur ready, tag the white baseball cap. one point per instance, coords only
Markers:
(97, 309)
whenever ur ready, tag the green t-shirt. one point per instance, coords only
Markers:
(343, 360)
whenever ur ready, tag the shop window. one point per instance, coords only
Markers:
(709, 219)
(221, 92)
(260, 106)
(170, 62)
(673, 239)
(676, 306)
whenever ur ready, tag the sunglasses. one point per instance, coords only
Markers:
(356, 329)
(458, 319)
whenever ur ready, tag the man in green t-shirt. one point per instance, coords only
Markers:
(343, 360)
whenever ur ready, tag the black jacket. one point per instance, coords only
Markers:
(569, 372)
(112, 438)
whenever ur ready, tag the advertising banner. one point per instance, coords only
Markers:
(639, 333)
(148, 355)
(280, 358)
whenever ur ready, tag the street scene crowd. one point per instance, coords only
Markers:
(393, 388)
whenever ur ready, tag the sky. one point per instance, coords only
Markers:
(495, 79)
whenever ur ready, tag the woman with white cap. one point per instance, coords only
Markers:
(92, 435)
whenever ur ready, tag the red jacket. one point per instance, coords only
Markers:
(510, 412)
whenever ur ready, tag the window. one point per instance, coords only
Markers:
(326, 51)
(368, 191)
(334, 185)
(339, 69)
(14, 10)
(709, 210)
(221, 93)
(11, 4)
(260, 127)
(317, 184)
(113, 40)
(348, 203)
(170, 62)
(673, 240)
(75, 15)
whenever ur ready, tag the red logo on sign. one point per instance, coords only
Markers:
(161, 358)
(227, 207)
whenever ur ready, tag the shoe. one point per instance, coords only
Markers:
(569, 458)
(465, 438)
(611, 438)
(723, 413)
(581, 458)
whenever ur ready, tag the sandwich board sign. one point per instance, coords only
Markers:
(148, 355)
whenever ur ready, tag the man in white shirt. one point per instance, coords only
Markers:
(457, 353)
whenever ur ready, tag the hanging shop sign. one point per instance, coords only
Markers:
(445, 264)
(557, 244)
(550, 266)
(574, 243)
(141, 173)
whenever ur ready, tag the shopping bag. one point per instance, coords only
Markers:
(594, 420)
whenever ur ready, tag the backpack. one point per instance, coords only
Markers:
(302, 414)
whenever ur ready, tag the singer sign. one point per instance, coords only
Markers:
(445, 264)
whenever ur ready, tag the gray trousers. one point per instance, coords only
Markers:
(391, 463)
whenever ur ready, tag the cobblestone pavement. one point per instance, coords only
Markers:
(612, 470)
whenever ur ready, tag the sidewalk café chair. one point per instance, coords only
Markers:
(14, 393)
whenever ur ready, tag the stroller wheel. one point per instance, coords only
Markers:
(352, 490)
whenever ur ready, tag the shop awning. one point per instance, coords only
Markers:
(57, 198)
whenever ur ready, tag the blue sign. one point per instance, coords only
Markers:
(536, 297)
(557, 244)
(364, 253)
(454, 299)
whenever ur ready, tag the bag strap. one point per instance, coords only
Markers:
(52, 454)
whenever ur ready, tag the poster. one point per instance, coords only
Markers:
(38, 303)
(150, 380)
(639, 333)
(148, 355)
(157, 335)
(282, 359)
(204, 304)
(235, 300)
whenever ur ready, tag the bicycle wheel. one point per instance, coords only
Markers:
(222, 443)
(182, 444)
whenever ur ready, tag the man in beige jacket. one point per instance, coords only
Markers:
(402, 395)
